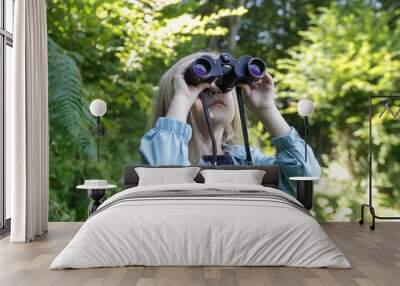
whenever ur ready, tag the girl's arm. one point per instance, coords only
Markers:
(290, 147)
(260, 96)
(166, 143)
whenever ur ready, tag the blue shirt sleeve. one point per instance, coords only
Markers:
(290, 156)
(290, 159)
(166, 143)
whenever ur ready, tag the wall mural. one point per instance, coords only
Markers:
(169, 82)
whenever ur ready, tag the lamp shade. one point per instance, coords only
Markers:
(98, 107)
(305, 107)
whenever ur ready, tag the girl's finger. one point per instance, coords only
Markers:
(245, 88)
(183, 66)
(178, 78)
(203, 86)
(267, 78)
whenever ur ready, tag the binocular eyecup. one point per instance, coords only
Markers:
(226, 70)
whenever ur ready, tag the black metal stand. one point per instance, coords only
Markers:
(96, 195)
(305, 137)
(370, 202)
(98, 137)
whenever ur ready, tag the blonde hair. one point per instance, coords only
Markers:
(164, 98)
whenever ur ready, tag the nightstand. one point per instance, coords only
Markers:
(305, 190)
(96, 190)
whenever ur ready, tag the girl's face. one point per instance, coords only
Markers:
(220, 107)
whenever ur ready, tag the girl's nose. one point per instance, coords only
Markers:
(214, 90)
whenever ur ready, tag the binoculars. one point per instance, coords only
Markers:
(226, 70)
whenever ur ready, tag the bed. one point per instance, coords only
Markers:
(198, 224)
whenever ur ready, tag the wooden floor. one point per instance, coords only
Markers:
(375, 257)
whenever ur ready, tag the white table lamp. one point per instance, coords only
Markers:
(98, 108)
(305, 108)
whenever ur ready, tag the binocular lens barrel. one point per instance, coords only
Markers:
(198, 72)
(199, 69)
(256, 68)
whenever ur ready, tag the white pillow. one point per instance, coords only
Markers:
(248, 177)
(165, 176)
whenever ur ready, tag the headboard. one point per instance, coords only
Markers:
(270, 179)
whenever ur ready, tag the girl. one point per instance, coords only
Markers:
(180, 135)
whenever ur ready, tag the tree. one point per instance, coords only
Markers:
(267, 30)
(349, 52)
(69, 123)
(120, 49)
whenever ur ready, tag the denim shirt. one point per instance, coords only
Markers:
(167, 144)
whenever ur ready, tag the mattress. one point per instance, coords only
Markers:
(201, 225)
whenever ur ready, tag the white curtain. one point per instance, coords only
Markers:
(27, 124)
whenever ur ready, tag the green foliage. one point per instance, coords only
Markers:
(69, 134)
(268, 29)
(121, 50)
(348, 53)
(67, 112)
(117, 51)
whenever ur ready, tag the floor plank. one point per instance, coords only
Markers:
(375, 257)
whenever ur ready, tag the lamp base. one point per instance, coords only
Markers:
(96, 195)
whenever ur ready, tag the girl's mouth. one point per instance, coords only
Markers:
(217, 103)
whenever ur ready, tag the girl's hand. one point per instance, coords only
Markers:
(260, 95)
(185, 95)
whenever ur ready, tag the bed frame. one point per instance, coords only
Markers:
(305, 194)
(270, 179)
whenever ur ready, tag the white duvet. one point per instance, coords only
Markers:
(187, 231)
